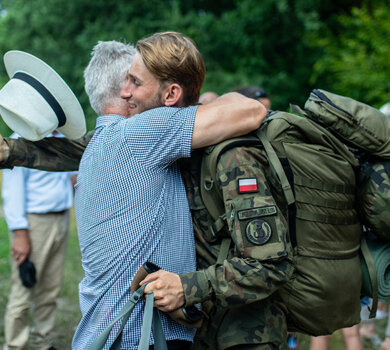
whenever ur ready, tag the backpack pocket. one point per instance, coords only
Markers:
(359, 125)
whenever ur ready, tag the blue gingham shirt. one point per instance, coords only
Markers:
(131, 207)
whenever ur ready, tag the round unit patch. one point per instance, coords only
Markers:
(258, 231)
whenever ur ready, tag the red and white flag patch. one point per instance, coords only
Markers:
(247, 185)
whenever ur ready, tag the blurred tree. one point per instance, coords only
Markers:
(269, 43)
(272, 43)
(356, 59)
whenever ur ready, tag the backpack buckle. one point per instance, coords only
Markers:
(208, 183)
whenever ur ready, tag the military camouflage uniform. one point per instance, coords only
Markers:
(52, 154)
(237, 295)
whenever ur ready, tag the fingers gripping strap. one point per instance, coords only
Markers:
(101, 340)
(124, 314)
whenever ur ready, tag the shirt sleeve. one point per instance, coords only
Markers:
(160, 136)
(14, 200)
(259, 263)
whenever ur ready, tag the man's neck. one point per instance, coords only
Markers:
(112, 110)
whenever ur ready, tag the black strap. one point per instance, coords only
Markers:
(368, 169)
(45, 93)
(386, 165)
(292, 208)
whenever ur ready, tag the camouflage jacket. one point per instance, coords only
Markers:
(52, 154)
(236, 295)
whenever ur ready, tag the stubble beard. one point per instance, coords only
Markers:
(156, 102)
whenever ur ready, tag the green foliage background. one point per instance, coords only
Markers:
(286, 46)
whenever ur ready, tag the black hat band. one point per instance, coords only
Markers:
(45, 93)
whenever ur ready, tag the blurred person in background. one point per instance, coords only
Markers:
(36, 208)
(207, 97)
(350, 336)
(256, 93)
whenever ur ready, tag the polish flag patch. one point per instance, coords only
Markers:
(247, 185)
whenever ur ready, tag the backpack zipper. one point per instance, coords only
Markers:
(318, 96)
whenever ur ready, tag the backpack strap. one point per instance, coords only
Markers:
(372, 274)
(224, 250)
(386, 165)
(277, 167)
(368, 169)
(297, 110)
(292, 208)
(151, 316)
(282, 169)
(323, 186)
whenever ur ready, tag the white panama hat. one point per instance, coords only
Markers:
(385, 109)
(37, 101)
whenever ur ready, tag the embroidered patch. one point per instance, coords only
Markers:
(257, 212)
(247, 185)
(258, 231)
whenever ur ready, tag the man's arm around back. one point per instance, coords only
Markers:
(229, 116)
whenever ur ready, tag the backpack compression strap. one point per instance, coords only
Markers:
(372, 275)
(368, 169)
(277, 167)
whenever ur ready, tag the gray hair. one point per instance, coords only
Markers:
(106, 73)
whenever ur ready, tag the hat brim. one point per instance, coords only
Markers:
(19, 61)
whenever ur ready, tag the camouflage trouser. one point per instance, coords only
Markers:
(254, 326)
(255, 347)
(267, 346)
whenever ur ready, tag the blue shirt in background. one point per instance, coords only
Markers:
(31, 191)
(131, 207)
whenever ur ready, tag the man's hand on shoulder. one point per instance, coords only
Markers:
(4, 150)
(167, 288)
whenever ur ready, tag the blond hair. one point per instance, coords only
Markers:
(173, 58)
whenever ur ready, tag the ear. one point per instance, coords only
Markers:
(172, 94)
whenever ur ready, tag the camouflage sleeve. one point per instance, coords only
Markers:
(261, 260)
(51, 153)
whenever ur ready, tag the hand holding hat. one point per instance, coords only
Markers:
(37, 101)
(4, 150)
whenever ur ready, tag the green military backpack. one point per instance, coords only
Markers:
(311, 164)
(313, 161)
(315, 172)
(366, 131)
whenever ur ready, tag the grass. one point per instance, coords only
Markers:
(68, 314)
